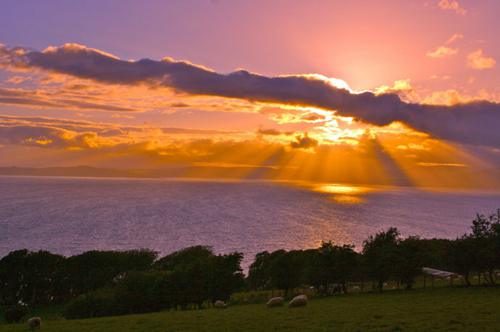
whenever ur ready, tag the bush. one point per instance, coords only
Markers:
(94, 304)
(142, 291)
(14, 313)
(136, 292)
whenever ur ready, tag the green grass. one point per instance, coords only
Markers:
(439, 309)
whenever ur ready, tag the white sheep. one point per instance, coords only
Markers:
(298, 301)
(34, 323)
(220, 304)
(275, 302)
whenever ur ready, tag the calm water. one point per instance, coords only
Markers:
(71, 215)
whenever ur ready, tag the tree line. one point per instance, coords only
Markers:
(100, 283)
(385, 256)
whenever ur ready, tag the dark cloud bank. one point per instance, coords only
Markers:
(470, 123)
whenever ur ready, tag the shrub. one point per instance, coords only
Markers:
(142, 291)
(14, 313)
(136, 292)
(94, 304)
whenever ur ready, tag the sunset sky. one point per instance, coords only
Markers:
(376, 92)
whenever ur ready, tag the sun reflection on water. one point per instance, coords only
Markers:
(348, 199)
(344, 193)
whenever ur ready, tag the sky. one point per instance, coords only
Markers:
(376, 92)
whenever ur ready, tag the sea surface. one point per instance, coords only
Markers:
(72, 215)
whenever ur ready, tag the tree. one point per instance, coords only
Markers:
(286, 270)
(41, 271)
(495, 230)
(226, 276)
(184, 256)
(318, 270)
(380, 254)
(279, 269)
(479, 250)
(410, 260)
(12, 272)
(258, 272)
(199, 275)
(462, 258)
(190, 270)
(435, 253)
(29, 277)
(92, 270)
(332, 264)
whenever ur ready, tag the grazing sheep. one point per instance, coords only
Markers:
(275, 302)
(298, 301)
(220, 304)
(34, 323)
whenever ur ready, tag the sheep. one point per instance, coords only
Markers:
(34, 323)
(275, 302)
(220, 304)
(298, 301)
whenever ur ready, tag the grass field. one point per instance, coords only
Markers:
(441, 309)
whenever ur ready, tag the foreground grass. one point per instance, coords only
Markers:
(457, 309)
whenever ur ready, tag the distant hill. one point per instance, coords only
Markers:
(178, 171)
(488, 179)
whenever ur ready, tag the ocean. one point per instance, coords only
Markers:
(72, 215)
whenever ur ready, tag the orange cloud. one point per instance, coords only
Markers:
(445, 51)
(399, 87)
(288, 115)
(18, 79)
(478, 60)
(376, 159)
(45, 98)
(273, 132)
(446, 97)
(50, 137)
(442, 52)
(452, 5)
(455, 37)
(430, 164)
(304, 142)
(452, 97)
